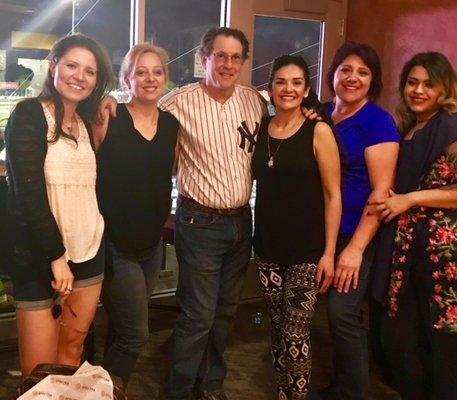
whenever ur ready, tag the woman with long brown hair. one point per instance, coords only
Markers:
(57, 233)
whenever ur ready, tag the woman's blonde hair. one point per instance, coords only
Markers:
(131, 59)
(441, 74)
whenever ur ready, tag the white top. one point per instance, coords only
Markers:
(70, 172)
(215, 143)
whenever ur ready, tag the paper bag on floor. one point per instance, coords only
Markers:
(88, 383)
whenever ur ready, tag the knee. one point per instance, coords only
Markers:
(72, 342)
(226, 308)
(189, 323)
(342, 316)
(141, 336)
(133, 339)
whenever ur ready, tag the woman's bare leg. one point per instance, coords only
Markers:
(77, 315)
(37, 335)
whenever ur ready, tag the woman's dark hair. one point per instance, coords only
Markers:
(311, 101)
(368, 56)
(87, 108)
(207, 42)
(441, 74)
(283, 61)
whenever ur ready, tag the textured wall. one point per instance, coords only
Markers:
(398, 29)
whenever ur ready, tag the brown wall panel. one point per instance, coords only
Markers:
(398, 29)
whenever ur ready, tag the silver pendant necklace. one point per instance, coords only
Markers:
(271, 157)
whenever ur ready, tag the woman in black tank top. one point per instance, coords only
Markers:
(296, 166)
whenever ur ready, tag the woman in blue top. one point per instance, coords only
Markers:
(369, 140)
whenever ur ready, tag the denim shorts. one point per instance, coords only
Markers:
(38, 294)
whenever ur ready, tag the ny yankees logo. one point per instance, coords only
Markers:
(246, 134)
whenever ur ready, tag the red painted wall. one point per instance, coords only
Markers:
(398, 29)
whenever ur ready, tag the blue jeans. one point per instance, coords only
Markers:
(213, 252)
(349, 335)
(128, 285)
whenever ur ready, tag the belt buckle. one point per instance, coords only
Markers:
(233, 211)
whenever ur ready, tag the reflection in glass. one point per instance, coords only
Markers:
(304, 38)
(29, 28)
(178, 26)
(108, 22)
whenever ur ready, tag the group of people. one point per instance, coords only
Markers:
(88, 200)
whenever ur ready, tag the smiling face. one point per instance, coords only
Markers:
(288, 88)
(420, 94)
(223, 65)
(352, 80)
(147, 80)
(75, 75)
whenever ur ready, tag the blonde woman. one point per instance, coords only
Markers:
(136, 151)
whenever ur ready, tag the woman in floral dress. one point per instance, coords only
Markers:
(419, 243)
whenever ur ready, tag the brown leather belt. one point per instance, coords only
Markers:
(221, 211)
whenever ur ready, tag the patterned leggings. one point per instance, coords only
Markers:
(290, 292)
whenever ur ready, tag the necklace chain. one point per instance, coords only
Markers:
(291, 128)
(69, 126)
(271, 161)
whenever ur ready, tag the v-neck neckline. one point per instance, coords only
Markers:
(130, 116)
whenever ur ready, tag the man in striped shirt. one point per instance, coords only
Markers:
(219, 120)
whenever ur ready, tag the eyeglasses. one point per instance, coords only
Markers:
(222, 57)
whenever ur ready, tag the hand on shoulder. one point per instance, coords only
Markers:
(100, 126)
(107, 108)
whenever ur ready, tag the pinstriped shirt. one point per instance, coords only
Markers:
(215, 144)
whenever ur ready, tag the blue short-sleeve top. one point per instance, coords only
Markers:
(369, 126)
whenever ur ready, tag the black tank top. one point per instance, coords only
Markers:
(289, 206)
(134, 181)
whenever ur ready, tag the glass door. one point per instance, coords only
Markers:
(313, 29)
(304, 38)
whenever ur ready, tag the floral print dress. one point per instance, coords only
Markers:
(426, 238)
(415, 269)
